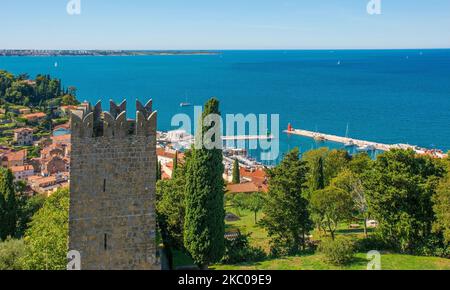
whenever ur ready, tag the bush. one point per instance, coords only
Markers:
(372, 243)
(11, 252)
(239, 251)
(337, 252)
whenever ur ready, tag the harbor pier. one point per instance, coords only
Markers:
(348, 141)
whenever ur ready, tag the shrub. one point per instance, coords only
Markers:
(11, 252)
(338, 252)
(372, 243)
(239, 251)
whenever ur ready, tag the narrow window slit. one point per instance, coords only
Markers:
(104, 185)
(105, 242)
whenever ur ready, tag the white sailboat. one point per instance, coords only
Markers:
(350, 142)
(186, 103)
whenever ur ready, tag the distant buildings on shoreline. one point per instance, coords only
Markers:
(32, 52)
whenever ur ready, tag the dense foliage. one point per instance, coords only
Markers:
(8, 205)
(11, 254)
(204, 226)
(286, 212)
(401, 186)
(442, 209)
(170, 211)
(329, 207)
(339, 251)
(253, 202)
(236, 173)
(47, 238)
(239, 250)
(20, 90)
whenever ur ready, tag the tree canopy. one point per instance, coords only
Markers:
(204, 227)
(400, 187)
(47, 238)
(286, 212)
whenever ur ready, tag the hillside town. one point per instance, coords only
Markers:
(49, 170)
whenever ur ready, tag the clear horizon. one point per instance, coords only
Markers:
(225, 25)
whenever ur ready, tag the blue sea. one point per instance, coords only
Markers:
(387, 96)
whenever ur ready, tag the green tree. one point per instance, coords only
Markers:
(317, 175)
(204, 227)
(352, 184)
(170, 210)
(253, 202)
(69, 100)
(442, 209)
(11, 253)
(331, 206)
(360, 163)
(175, 165)
(28, 206)
(236, 172)
(334, 163)
(158, 171)
(286, 211)
(400, 187)
(324, 165)
(47, 238)
(8, 204)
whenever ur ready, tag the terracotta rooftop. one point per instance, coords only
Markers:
(23, 130)
(163, 153)
(19, 155)
(61, 138)
(247, 187)
(34, 115)
(16, 169)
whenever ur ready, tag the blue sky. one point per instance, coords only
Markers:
(224, 24)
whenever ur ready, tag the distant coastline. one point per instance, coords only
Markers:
(32, 52)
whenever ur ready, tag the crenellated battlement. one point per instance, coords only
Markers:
(93, 122)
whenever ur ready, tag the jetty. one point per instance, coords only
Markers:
(247, 137)
(346, 140)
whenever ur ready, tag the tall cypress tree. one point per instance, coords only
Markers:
(236, 172)
(287, 219)
(205, 215)
(8, 204)
(318, 175)
(158, 171)
(175, 164)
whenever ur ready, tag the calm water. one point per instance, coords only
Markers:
(400, 96)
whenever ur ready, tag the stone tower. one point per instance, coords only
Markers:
(112, 191)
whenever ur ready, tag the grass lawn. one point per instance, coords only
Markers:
(314, 262)
(389, 261)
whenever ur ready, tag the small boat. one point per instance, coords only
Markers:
(366, 148)
(185, 104)
(56, 64)
(339, 63)
(349, 144)
(319, 138)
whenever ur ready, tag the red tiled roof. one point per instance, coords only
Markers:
(19, 155)
(247, 187)
(22, 130)
(34, 115)
(16, 169)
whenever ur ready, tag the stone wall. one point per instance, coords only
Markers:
(112, 192)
